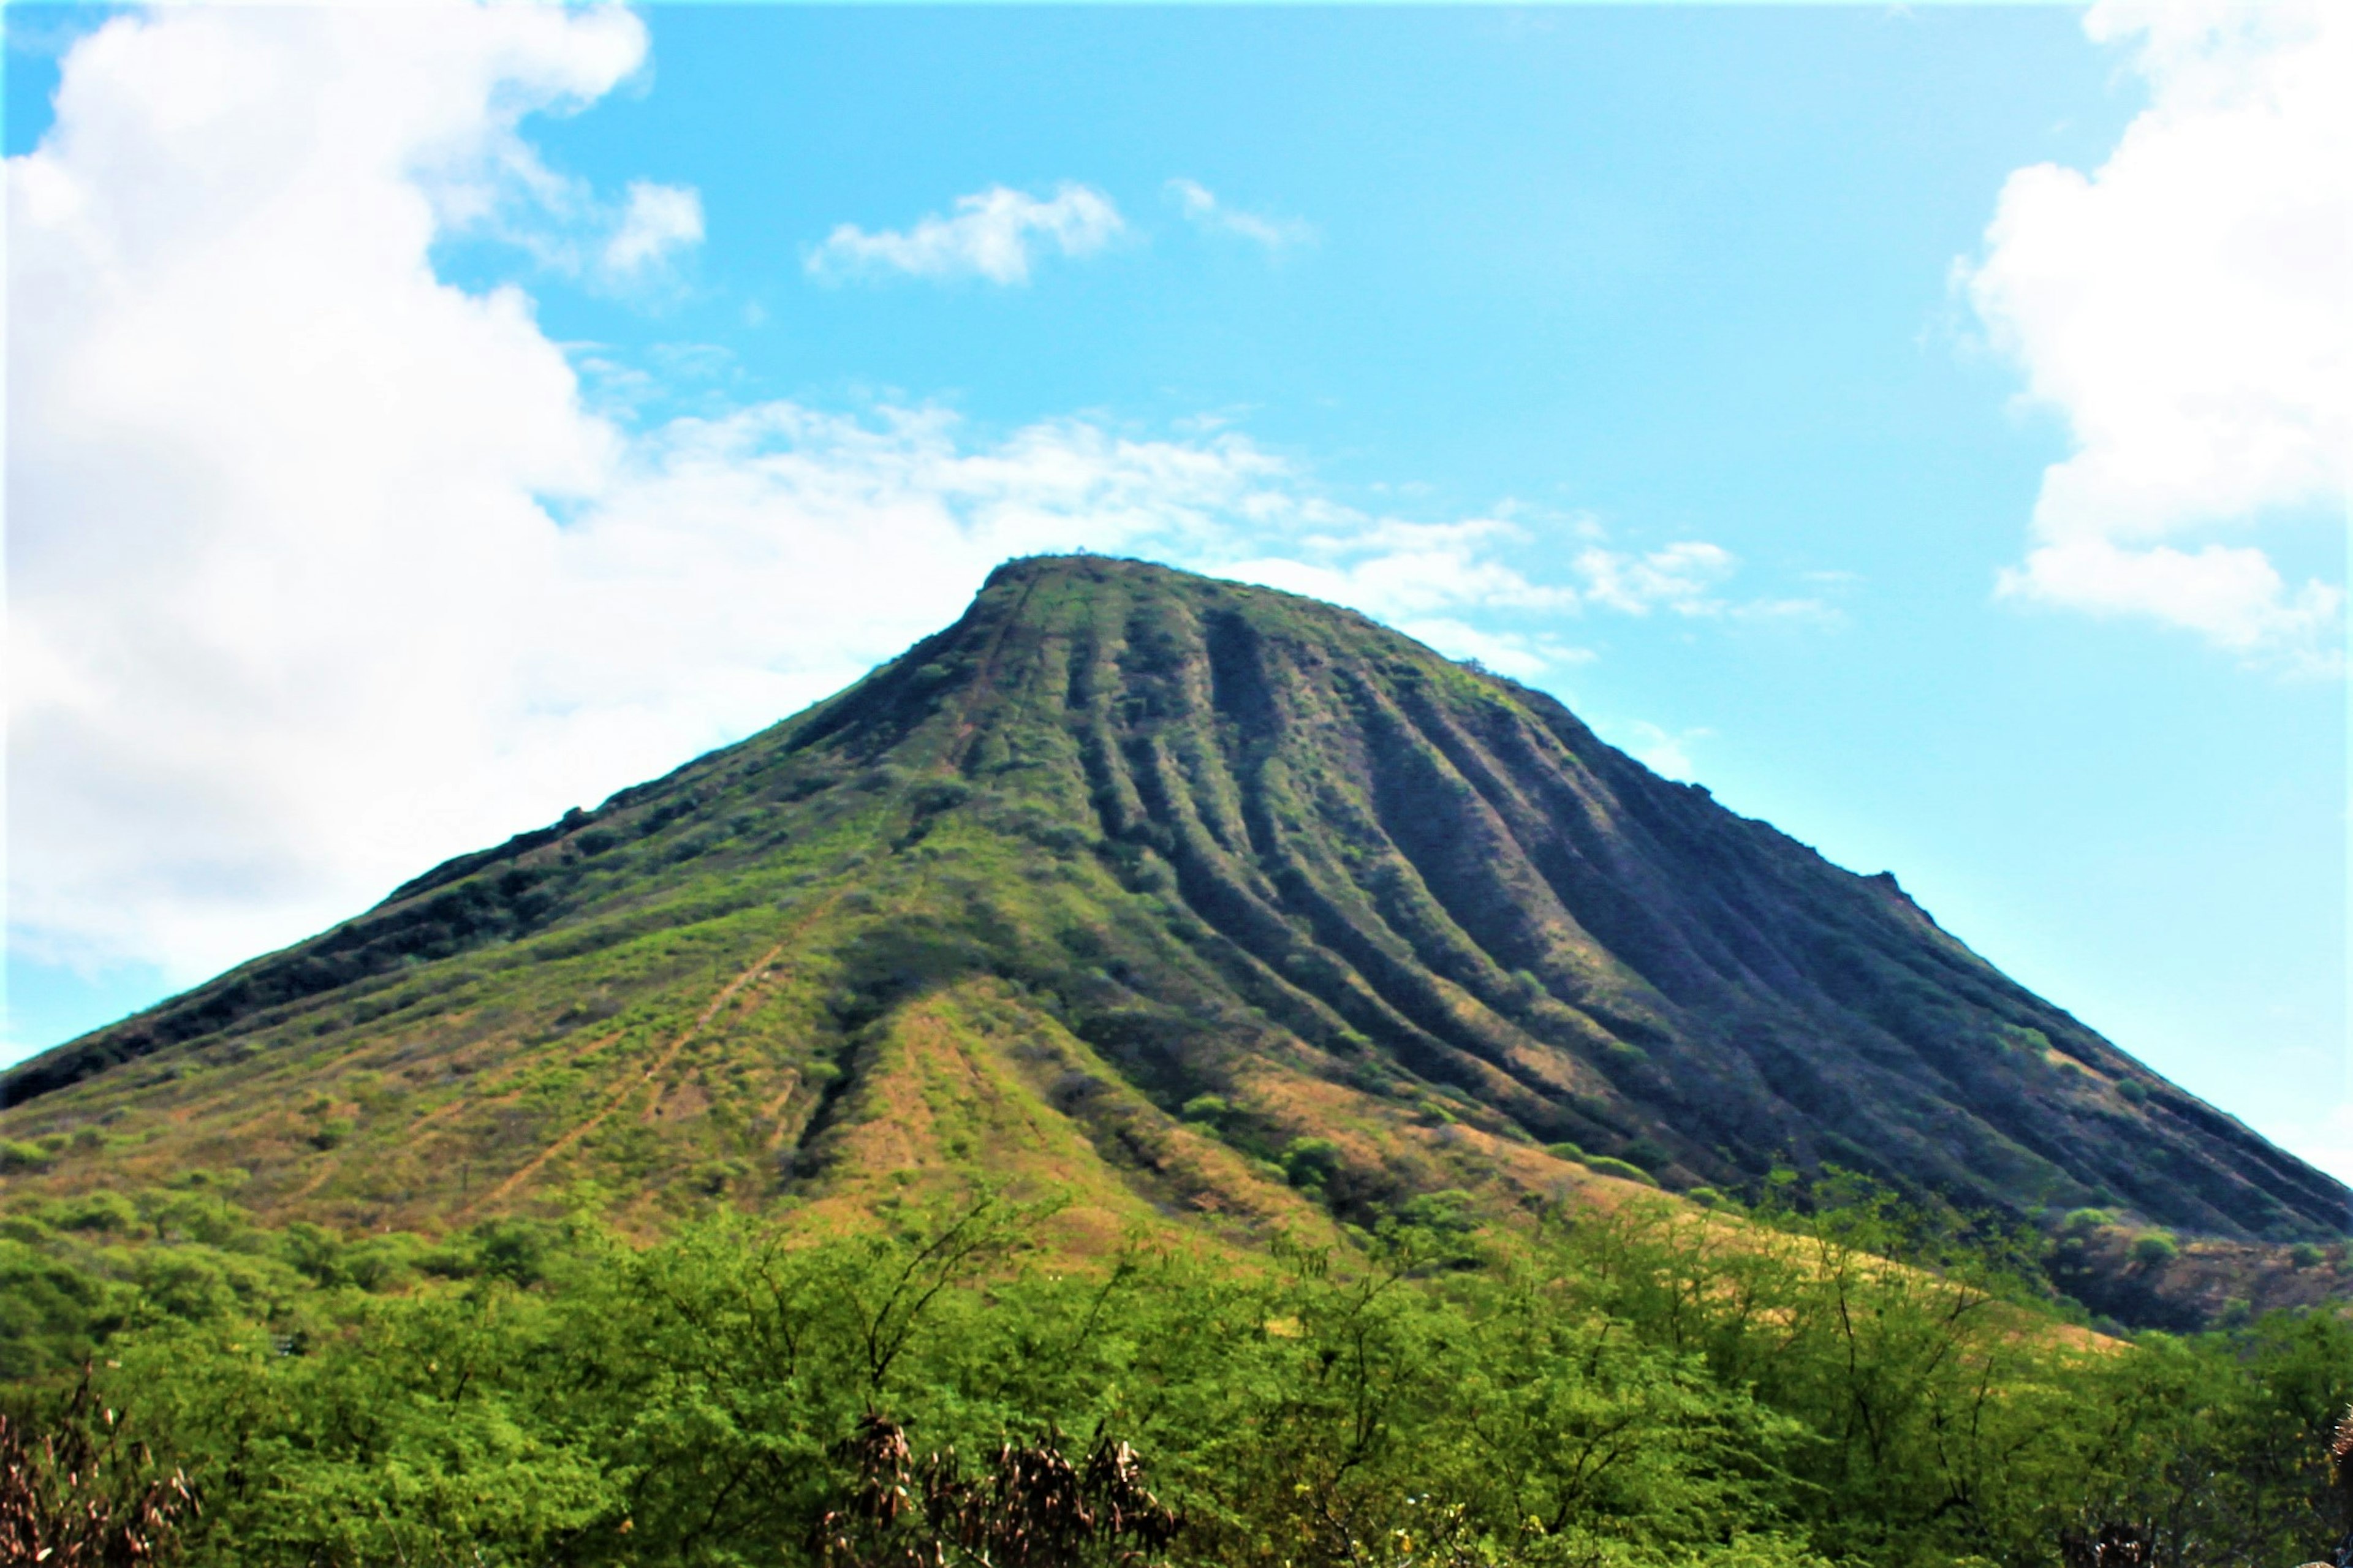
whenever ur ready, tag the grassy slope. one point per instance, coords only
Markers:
(1120, 839)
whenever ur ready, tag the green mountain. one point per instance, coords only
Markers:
(1216, 906)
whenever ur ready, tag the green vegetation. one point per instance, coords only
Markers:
(1848, 1382)
(1132, 880)
(601, 1197)
(1620, 1169)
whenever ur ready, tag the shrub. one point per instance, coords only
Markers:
(1310, 1161)
(1212, 1109)
(16, 1156)
(1612, 1387)
(95, 1211)
(1566, 1150)
(185, 1284)
(1609, 1167)
(2154, 1249)
(1647, 1153)
(933, 797)
(1447, 1213)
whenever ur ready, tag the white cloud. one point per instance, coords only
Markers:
(1681, 578)
(2232, 594)
(1520, 654)
(1664, 752)
(1422, 574)
(2185, 308)
(623, 248)
(271, 484)
(659, 222)
(996, 234)
(1402, 570)
(291, 611)
(321, 569)
(1204, 211)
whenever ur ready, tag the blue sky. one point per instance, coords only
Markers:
(1676, 359)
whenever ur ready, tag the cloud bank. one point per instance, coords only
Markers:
(324, 569)
(273, 487)
(2185, 308)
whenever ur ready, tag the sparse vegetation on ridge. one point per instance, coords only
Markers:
(1121, 842)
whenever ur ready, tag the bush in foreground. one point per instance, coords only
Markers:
(1847, 1381)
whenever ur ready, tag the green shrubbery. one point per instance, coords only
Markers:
(1623, 1170)
(17, 1155)
(1655, 1386)
(1309, 1162)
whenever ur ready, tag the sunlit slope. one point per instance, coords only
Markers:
(1126, 882)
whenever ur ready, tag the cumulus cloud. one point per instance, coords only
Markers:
(995, 234)
(321, 568)
(659, 222)
(2184, 307)
(271, 485)
(1204, 211)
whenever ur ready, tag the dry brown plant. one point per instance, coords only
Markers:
(77, 1495)
(1032, 1507)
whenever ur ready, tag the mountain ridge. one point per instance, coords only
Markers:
(1190, 872)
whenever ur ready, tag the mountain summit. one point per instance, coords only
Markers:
(1201, 899)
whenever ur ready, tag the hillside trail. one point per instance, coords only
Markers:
(968, 713)
(463, 1101)
(660, 1064)
(967, 729)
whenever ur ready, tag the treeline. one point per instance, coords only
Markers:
(1842, 1381)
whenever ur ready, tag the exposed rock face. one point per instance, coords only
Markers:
(1119, 842)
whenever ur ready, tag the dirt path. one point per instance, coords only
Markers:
(660, 1064)
(466, 1099)
(967, 720)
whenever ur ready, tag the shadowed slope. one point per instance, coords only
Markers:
(1119, 843)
